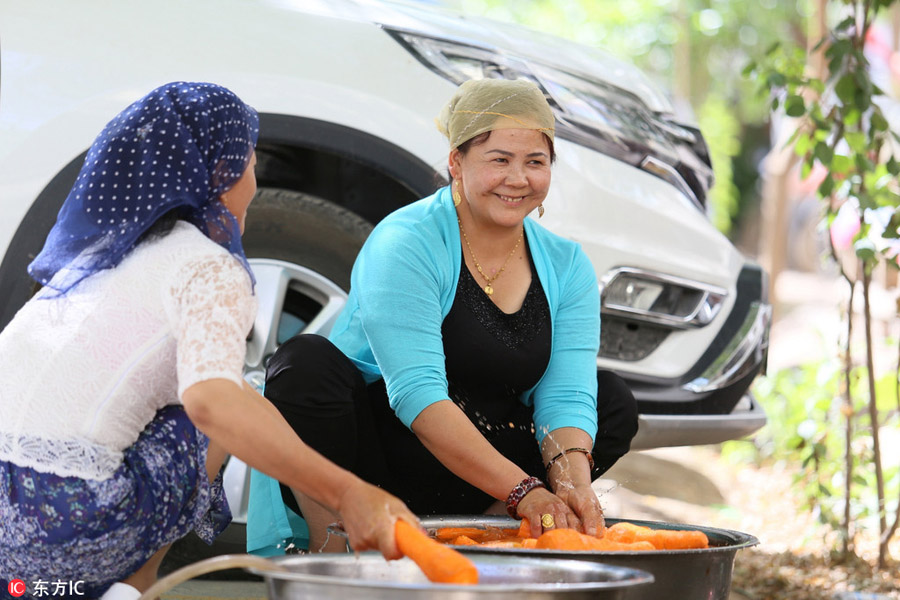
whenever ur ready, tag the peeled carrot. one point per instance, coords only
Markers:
(565, 539)
(501, 544)
(449, 533)
(662, 539)
(605, 545)
(440, 563)
(571, 540)
(464, 540)
(529, 542)
(626, 532)
(524, 529)
(681, 539)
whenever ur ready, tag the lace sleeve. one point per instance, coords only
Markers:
(212, 310)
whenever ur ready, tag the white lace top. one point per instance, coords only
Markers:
(83, 374)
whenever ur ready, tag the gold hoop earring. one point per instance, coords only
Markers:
(540, 211)
(457, 199)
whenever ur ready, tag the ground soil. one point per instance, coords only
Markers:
(793, 560)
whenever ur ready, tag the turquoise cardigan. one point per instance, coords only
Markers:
(402, 287)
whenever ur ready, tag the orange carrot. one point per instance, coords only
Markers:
(440, 563)
(662, 539)
(529, 542)
(571, 540)
(668, 539)
(605, 545)
(565, 539)
(524, 529)
(449, 533)
(626, 532)
(464, 540)
(501, 544)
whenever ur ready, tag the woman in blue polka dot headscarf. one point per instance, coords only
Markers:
(179, 147)
(121, 386)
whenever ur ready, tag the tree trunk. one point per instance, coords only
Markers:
(847, 412)
(873, 416)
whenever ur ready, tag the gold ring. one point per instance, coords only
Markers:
(547, 521)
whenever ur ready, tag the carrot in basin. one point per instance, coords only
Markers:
(662, 539)
(449, 533)
(611, 546)
(565, 539)
(440, 563)
(464, 540)
(571, 540)
(525, 529)
(681, 539)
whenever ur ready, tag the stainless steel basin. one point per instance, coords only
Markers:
(369, 575)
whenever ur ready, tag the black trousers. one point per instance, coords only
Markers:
(323, 396)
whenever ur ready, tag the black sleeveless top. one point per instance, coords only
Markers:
(492, 357)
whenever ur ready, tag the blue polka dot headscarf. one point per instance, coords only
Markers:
(180, 146)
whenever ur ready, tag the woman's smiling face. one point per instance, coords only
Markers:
(504, 177)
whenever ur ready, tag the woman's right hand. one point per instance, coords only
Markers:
(539, 502)
(368, 514)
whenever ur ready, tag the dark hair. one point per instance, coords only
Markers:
(164, 224)
(481, 138)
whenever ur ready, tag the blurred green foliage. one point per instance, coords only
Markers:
(693, 48)
(806, 429)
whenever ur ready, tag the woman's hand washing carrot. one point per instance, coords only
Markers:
(440, 563)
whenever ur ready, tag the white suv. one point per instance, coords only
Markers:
(347, 91)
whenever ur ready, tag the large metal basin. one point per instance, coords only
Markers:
(703, 574)
(368, 575)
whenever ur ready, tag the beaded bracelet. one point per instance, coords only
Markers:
(584, 451)
(518, 492)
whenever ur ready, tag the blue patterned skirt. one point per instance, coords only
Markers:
(62, 530)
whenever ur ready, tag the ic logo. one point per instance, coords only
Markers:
(16, 588)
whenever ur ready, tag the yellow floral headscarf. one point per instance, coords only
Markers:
(481, 105)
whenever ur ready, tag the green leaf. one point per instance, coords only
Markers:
(893, 166)
(802, 144)
(794, 106)
(776, 80)
(838, 49)
(852, 116)
(846, 89)
(775, 103)
(879, 123)
(863, 164)
(856, 140)
(892, 230)
(845, 24)
(827, 186)
(865, 250)
(841, 164)
(771, 49)
(823, 153)
(748, 70)
(863, 100)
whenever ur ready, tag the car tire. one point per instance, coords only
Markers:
(303, 230)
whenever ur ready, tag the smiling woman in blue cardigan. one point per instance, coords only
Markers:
(461, 375)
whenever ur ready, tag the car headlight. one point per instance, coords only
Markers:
(659, 299)
(588, 111)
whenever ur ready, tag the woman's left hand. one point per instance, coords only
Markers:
(583, 501)
(538, 504)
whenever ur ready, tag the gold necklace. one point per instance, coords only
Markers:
(488, 289)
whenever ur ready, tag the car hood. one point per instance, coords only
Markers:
(432, 19)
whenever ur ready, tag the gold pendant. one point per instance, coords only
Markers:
(488, 290)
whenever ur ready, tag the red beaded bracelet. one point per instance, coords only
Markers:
(518, 492)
